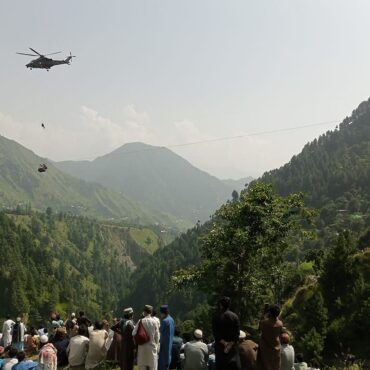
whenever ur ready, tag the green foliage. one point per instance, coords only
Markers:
(334, 173)
(313, 343)
(243, 253)
(53, 261)
(151, 281)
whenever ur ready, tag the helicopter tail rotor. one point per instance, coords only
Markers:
(69, 59)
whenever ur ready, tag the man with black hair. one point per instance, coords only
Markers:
(12, 358)
(83, 320)
(23, 363)
(77, 348)
(226, 328)
(268, 356)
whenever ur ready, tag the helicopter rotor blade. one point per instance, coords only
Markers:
(36, 52)
(58, 52)
(30, 55)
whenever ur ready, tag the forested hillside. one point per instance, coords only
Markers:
(21, 184)
(334, 173)
(55, 261)
(157, 178)
(323, 282)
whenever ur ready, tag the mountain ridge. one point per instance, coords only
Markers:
(21, 184)
(156, 177)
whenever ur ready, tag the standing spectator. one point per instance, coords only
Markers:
(128, 344)
(300, 364)
(71, 325)
(226, 328)
(196, 353)
(7, 331)
(97, 350)
(268, 356)
(61, 342)
(287, 352)
(83, 320)
(147, 353)
(18, 334)
(77, 349)
(176, 349)
(247, 352)
(167, 333)
(47, 355)
(115, 347)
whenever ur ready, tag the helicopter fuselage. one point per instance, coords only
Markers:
(46, 63)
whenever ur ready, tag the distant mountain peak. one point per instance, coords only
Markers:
(156, 177)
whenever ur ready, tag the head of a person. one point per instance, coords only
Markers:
(148, 310)
(105, 324)
(53, 315)
(164, 310)
(81, 314)
(21, 356)
(43, 340)
(274, 311)
(177, 332)
(2, 351)
(224, 303)
(98, 325)
(18, 319)
(73, 315)
(299, 357)
(242, 335)
(12, 352)
(60, 334)
(350, 360)
(82, 330)
(128, 313)
(285, 338)
(198, 334)
(115, 320)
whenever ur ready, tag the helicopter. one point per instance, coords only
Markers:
(46, 63)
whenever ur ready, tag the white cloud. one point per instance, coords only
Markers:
(92, 135)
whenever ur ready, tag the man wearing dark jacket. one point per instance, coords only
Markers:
(226, 328)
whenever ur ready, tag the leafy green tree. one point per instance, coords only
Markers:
(243, 253)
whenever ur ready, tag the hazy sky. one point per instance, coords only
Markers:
(175, 71)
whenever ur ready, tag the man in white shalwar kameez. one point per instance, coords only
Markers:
(7, 331)
(147, 354)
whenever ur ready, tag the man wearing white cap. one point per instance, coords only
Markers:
(196, 353)
(128, 345)
(247, 352)
(18, 334)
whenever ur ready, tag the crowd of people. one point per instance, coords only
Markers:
(152, 343)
